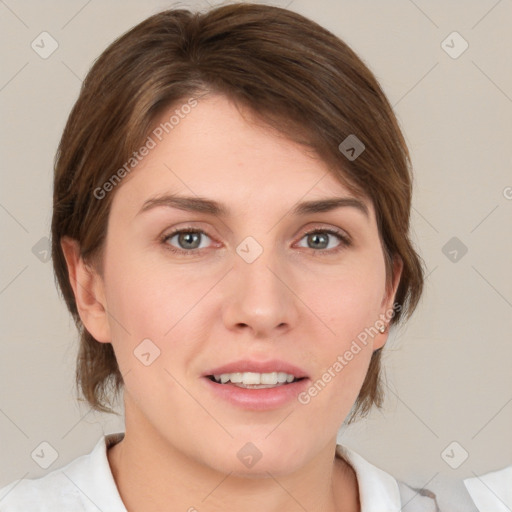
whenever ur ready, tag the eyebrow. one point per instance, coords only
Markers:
(203, 205)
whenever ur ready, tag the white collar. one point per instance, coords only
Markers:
(492, 491)
(378, 490)
(91, 473)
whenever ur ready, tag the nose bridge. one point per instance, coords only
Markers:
(259, 297)
(259, 275)
(255, 269)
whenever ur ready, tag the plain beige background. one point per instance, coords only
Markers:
(449, 373)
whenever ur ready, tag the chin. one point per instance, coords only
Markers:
(256, 459)
(260, 469)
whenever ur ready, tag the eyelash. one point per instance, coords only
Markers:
(344, 240)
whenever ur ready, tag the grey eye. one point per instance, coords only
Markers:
(318, 241)
(187, 239)
(323, 239)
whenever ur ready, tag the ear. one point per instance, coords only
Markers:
(89, 293)
(388, 301)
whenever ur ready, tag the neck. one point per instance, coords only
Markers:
(153, 475)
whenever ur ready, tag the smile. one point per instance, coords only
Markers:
(255, 380)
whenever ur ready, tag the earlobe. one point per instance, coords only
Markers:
(88, 289)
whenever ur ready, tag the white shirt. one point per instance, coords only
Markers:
(86, 484)
(492, 491)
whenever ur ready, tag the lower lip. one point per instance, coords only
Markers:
(258, 399)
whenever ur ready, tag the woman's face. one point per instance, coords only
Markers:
(248, 284)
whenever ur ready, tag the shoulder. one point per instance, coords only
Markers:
(491, 491)
(54, 491)
(50, 492)
(84, 485)
(379, 490)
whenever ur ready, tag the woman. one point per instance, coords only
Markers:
(230, 233)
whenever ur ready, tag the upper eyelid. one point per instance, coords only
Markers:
(308, 230)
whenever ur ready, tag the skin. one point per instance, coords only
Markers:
(295, 302)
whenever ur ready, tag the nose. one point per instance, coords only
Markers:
(260, 297)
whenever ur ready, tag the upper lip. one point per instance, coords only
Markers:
(246, 365)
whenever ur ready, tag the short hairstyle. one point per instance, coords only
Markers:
(294, 75)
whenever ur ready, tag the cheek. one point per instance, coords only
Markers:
(348, 302)
(334, 390)
(349, 306)
(159, 302)
(150, 298)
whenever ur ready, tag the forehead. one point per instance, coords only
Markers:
(216, 151)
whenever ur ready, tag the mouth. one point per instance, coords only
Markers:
(254, 380)
(255, 385)
(253, 391)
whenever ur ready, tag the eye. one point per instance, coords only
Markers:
(324, 240)
(191, 241)
(188, 240)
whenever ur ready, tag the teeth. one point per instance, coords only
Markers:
(248, 378)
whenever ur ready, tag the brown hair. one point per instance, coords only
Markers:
(293, 74)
